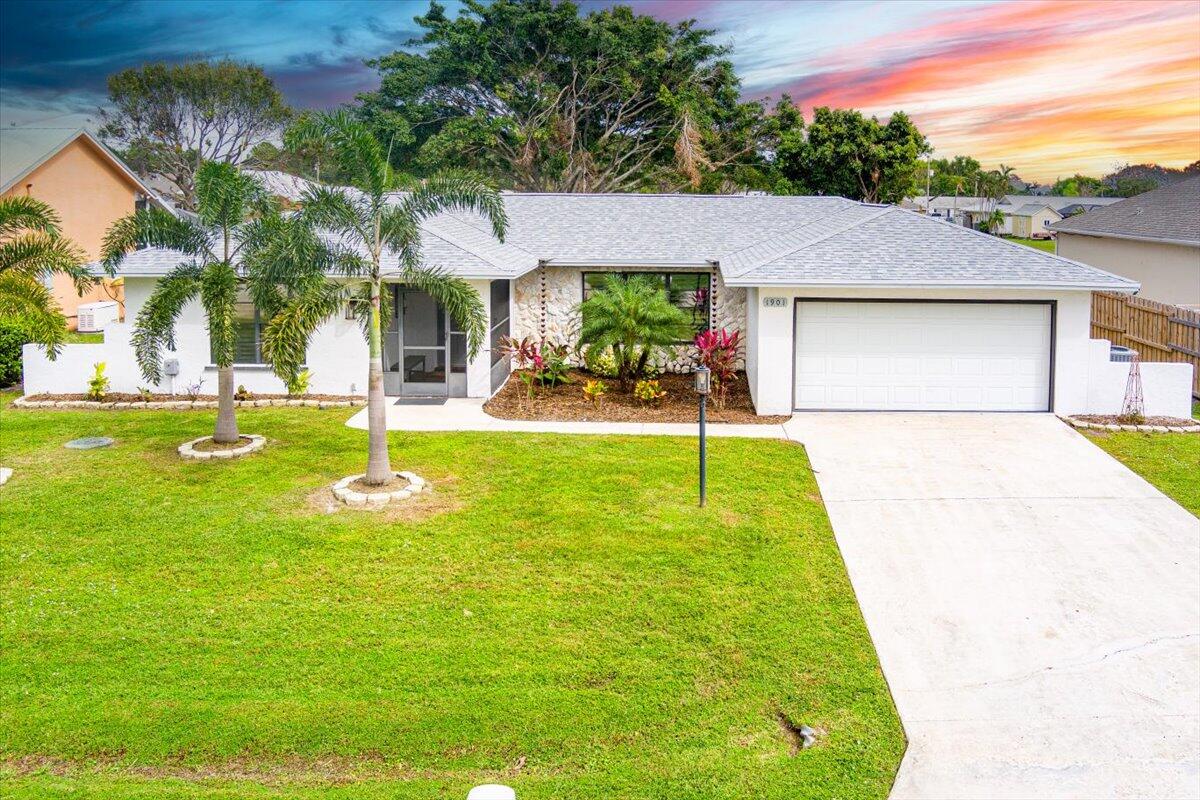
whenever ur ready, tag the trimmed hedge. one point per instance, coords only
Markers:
(12, 337)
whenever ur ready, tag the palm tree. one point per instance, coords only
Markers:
(634, 317)
(32, 249)
(234, 218)
(365, 223)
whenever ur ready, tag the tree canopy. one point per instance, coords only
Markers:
(845, 153)
(169, 119)
(539, 97)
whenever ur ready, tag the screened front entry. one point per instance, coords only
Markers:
(423, 355)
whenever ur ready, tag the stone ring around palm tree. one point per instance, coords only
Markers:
(203, 449)
(353, 492)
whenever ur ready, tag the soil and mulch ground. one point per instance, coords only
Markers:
(1112, 419)
(567, 403)
(209, 446)
(124, 397)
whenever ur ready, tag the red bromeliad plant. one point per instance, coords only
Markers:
(718, 352)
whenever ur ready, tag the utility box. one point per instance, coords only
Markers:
(94, 317)
(171, 367)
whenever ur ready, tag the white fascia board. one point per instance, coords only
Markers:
(628, 263)
(1131, 287)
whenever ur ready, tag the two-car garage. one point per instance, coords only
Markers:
(922, 355)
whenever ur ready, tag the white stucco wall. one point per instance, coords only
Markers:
(1166, 387)
(337, 358)
(770, 343)
(545, 301)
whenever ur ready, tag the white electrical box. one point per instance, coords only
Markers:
(94, 317)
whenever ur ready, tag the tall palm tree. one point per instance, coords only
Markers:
(367, 223)
(234, 218)
(32, 249)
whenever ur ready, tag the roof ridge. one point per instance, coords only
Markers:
(826, 236)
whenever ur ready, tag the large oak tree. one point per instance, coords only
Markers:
(542, 98)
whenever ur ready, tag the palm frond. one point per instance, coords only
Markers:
(27, 303)
(39, 255)
(333, 209)
(457, 191)
(154, 328)
(24, 213)
(357, 151)
(153, 227)
(286, 337)
(458, 297)
(218, 295)
(225, 195)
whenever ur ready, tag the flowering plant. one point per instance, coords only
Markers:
(718, 351)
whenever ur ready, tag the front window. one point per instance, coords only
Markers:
(690, 291)
(247, 332)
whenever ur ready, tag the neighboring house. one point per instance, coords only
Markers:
(1153, 238)
(843, 305)
(1025, 215)
(84, 181)
(1032, 220)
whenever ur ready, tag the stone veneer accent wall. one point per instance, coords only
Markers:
(544, 306)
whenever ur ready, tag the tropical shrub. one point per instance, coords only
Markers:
(552, 365)
(193, 389)
(242, 393)
(12, 339)
(649, 392)
(599, 361)
(98, 384)
(298, 383)
(520, 351)
(594, 390)
(635, 319)
(718, 352)
(544, 363)
(145, 394)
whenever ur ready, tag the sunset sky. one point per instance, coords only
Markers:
(1051, 87)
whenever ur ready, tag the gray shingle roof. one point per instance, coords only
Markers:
(896, 247)
(1171, 214)
(754, 239)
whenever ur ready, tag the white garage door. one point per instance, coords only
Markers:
(923, 356)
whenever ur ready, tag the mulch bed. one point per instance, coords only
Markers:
(566, 403)
(123, 397)
(209, 446)
(1113, 419)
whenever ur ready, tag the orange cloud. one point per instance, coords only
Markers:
(1051, 87)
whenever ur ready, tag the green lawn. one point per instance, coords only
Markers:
(557, 615)
(75, 337)
(1039, 244)
(1170, 461)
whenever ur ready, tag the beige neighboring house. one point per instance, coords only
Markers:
(1153, 238)
(84, 181)
(1033, 220)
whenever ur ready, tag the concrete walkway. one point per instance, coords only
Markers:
(1035, 605)
(467, 414)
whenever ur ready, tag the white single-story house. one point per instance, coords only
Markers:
(842, 305)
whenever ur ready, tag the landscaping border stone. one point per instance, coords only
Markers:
(1102, 426)
(188, 449)
(185, 405)
(343, 492)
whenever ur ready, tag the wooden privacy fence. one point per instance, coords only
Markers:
(1159, 332)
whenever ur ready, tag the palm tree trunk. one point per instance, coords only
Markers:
(379, 468)
(226, 431)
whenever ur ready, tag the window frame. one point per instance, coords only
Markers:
(666, 276)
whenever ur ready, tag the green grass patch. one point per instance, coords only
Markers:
(1038, 244)
(557, 615)
(1170, 461)
(75, 337)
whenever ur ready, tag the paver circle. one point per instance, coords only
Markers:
(188, 449)
(351, 497)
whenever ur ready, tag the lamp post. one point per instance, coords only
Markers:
(703, 386)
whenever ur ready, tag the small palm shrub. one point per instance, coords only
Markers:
(298, 383)
(649, 392)
(98, 383)
(634, 319)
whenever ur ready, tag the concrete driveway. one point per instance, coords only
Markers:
(1035, 605)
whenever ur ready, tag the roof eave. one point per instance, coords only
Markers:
(869, 284)
(1130, 237)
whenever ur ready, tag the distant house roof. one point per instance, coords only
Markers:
(754, 240)
(1029, 209)
(22, 150)
(281, 184)
(1169, 214)
(947, 202)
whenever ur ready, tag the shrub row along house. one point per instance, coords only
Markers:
(842, 305)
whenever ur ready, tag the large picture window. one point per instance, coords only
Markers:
(690, 291)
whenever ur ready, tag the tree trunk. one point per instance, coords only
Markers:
(379, 468)
(226, 431)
